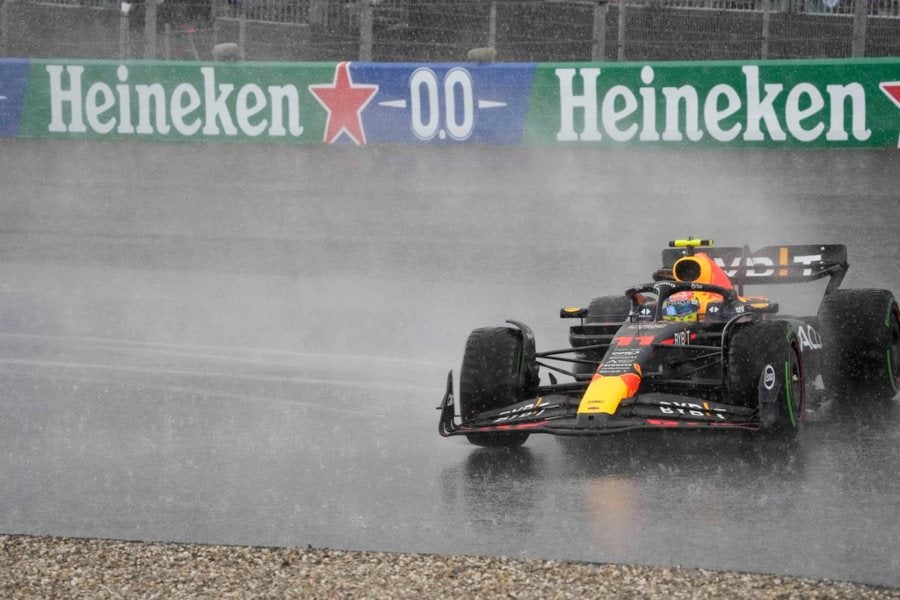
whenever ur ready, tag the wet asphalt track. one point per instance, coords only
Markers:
(245, 345)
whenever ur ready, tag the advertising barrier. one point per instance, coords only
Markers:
(820, 104)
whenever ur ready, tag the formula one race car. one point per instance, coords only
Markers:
(687, 351)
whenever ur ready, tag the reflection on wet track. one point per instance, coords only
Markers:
(218, 362)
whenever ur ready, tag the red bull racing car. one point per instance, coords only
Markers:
(688, 350)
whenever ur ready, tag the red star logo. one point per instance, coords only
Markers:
(344, 102)
(891, 89)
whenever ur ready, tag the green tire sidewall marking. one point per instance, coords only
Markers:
(892, 377)
(789, 336)
(517, 361)
(890, 370)
(787, 390)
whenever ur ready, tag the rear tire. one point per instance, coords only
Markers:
(860, 332)
(495, 373)
(768, 351)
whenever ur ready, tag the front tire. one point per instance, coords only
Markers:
(495, 373)
(764, 356)
(861, 336)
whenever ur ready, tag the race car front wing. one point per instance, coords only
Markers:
(555, 410)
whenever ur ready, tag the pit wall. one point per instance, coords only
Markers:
(798, 103)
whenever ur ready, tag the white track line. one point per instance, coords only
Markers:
(211, 374)
(318, 405)
(205, 350)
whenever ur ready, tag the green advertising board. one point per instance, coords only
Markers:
(770, 104)
(174, 101)
(743, 104)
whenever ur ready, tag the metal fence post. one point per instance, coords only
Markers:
(766, 20)
(150, 29)
(492, 26)
(598, 47)
(860, 19)
(4, 13)
(242, 29)
(167, 42)
(620, 42)
(365, 30)
(214, 16)
(124, 36)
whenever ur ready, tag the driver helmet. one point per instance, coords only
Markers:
(681, 306)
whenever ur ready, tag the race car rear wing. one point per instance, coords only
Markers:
(772, 264)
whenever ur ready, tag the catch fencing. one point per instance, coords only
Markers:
(446, 30)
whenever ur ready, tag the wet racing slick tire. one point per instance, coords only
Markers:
(765, 355)
(608, 309)
(495, 373)
(860, 332)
